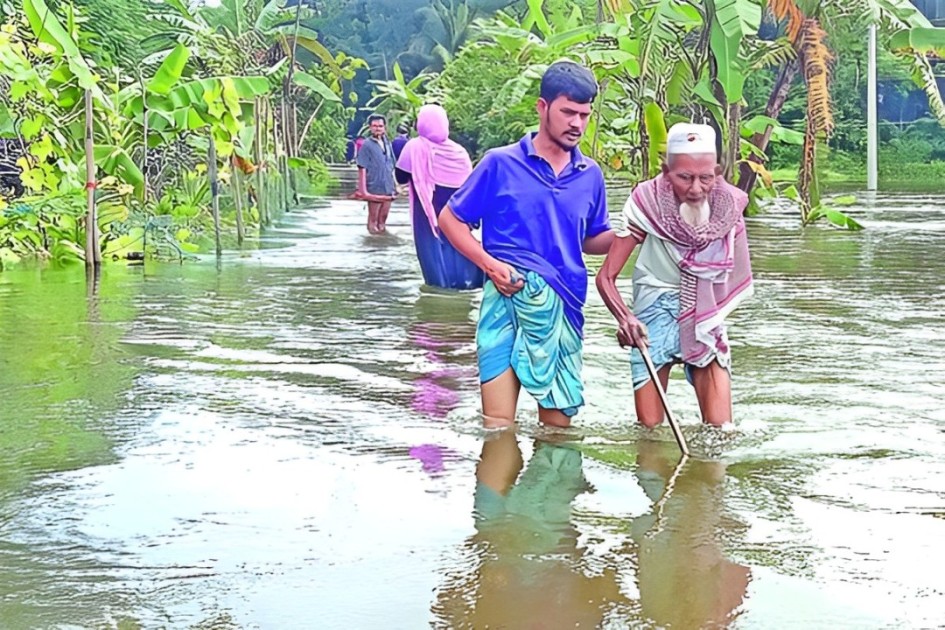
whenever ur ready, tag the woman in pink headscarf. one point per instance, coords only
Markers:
(435, 167)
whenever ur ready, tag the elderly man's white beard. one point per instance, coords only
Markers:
(694, 214)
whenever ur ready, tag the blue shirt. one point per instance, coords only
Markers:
(535, 220)
(378, 160)
(399, 143)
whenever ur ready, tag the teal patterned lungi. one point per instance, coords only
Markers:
(530, 333)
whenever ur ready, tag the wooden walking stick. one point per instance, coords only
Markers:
(659, 388)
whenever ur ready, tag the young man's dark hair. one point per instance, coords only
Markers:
(569, 79)
(374, 117)
(403, 128)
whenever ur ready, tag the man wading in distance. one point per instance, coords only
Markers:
(376, 174)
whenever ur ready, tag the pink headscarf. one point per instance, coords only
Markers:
(432, 158)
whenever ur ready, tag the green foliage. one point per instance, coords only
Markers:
(399, 99)
(317, 86)
(117, 30)
(43, 74)
(479, 118)
(52, 227)
(734, 21)
(834, 217)
(379, 35)
(312, 174)
(326, 137)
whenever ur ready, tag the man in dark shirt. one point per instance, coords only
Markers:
(376, 174)
(403, 135)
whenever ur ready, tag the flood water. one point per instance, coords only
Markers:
(291, 440)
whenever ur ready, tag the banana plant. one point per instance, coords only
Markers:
(905, 32)
(399, 99)
(47, 84)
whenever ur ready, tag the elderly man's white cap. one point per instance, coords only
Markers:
(690, 139)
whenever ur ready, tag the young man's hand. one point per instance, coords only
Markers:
(505, 278)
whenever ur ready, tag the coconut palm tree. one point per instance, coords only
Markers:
(904, 31)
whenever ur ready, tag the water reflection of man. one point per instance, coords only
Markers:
(683, 577)
(528, 568)
(440, 332)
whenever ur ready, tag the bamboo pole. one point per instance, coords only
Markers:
(292, 128)
(872, 143)
(285, 155)
(238, 199)
(276, 164)
(281, 164)
(144, 147)
(259, 154)
(214, 192)
(92, 254)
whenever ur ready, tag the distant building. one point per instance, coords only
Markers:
(934, 10)
(902, 106)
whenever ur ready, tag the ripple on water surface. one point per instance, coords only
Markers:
(292, 440)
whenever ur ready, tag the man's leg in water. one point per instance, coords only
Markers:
(713, 386)
(553, 418)
(647, 401)
(373, 208)
(382, 215)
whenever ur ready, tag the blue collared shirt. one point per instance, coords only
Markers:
(536, 220)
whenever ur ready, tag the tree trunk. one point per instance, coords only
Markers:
(93, 255)
(259, 153)
(214, 193)
(734, 115)
(287, 101)
(746, 176)
(806, 175)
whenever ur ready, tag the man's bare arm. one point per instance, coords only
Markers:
(459, 234)
(599, 244)
(630, 331)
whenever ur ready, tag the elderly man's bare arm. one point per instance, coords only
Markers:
(630, 331)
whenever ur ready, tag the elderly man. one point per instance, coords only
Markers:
(541, 204)
(692, 271)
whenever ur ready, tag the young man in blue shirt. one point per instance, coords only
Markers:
(541, 204)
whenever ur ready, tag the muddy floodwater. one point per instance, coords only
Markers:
(290, 439)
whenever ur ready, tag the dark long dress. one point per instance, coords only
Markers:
(441, 264)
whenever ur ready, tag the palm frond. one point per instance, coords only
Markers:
(788, 9)
(765, 54)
